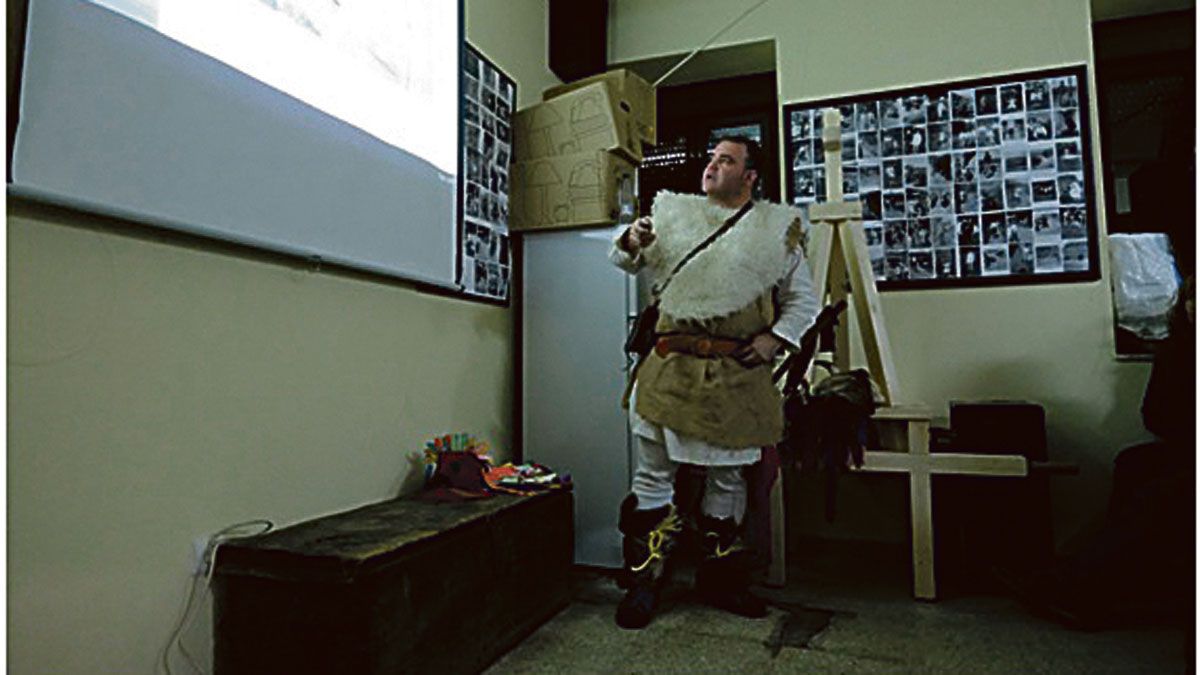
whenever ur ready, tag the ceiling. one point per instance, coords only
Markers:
(756, 57)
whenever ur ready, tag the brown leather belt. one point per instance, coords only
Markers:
(696, 345)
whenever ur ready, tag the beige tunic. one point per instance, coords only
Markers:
(716, 399)
(718, 407)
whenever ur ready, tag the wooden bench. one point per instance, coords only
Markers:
(401, 586)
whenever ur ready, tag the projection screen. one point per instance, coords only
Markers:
(322, 129)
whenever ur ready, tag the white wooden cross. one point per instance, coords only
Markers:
(841, 264)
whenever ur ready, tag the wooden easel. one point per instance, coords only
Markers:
(840, 263)
(841, 266)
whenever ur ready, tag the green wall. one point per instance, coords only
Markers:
(160, 389)
(1047, 343)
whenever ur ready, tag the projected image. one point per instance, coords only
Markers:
(379, 66)
(489, 97)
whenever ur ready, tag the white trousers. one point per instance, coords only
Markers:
(654, 481)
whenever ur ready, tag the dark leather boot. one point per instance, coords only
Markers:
(649, 540)
(723, 576)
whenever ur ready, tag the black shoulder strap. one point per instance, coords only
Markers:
(704, 244)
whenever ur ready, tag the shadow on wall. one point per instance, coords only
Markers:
(413, 477)
(1076, 429)
(492, 326)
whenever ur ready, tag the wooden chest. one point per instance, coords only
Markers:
(396, 587)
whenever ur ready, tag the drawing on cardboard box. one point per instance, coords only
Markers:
(540, 182)
(581, 189)
(547, 204)
(541, 141)
(584, 185)
(587, 120)
(632, 95)
(581, 122)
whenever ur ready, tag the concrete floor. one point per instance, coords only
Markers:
(837, 615)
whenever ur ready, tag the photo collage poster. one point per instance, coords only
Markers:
(489, 97)
(969, 183)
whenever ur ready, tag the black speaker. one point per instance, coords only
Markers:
(578, 38)
(999, 427)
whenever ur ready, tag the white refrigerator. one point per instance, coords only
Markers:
(576, 307)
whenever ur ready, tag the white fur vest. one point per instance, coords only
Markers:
(736, 269)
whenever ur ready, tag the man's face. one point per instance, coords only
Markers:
(726, 176)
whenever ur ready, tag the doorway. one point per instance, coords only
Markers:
(690, 119)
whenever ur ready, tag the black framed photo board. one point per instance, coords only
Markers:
(976, 182)
(489, 97)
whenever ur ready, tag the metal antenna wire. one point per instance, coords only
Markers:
(710, 40)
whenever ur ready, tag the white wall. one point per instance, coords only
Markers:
(1051, 344)
(160, 389)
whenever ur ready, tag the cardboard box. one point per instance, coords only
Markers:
(632, 93)
(583, 120)
(587, 188)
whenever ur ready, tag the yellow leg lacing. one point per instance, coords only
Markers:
(719, 552)
(658, 537)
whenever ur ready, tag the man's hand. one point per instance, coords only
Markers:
(760, 350)
(639, 235)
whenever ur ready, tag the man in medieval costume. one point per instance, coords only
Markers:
(704, 396)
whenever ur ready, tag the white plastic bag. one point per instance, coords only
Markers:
(1145, 283)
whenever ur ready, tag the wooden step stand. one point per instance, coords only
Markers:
(841, 266)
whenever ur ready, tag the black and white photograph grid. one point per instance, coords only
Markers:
(976, 182)
(488, 98)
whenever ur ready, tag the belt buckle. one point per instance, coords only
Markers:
(704, 347)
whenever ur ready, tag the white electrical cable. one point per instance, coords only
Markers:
(208, 563)
(712, 39)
